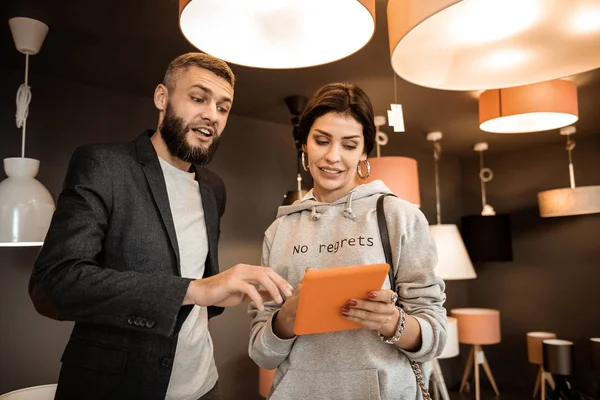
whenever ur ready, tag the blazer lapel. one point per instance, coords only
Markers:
(156, 181)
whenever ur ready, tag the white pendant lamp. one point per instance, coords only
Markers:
(574, 200)
(278, 34)
(26, 206)
(400, 174)
(530, 108)
(453, 259)
(487, 44)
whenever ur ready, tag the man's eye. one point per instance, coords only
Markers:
(222, 110)
(197, 99)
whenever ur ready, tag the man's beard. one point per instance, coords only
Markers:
(174, 132)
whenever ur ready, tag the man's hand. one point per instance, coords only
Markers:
(236, 285)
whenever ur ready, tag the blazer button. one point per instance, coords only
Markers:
(150, 324)
(165, 362)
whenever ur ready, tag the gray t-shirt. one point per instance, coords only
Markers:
(194, 371)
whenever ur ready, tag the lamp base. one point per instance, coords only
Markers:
(440, 391)
(540, 382)
(476, 358)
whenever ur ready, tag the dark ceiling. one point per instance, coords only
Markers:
(126, 45)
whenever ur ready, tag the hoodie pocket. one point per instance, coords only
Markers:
(342, 385)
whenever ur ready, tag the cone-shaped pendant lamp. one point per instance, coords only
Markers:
(575, 200)
(278, 33)
(453, 259)
(486, 236)
(399, 174)
(26, 206)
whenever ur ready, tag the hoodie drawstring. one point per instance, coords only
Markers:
(348, 210)
(314, 215)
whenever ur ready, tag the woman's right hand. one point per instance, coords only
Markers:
(283, 324)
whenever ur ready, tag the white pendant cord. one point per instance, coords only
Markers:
(570, 147)
(23, 100)
(437, 153)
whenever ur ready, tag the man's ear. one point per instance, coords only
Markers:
(161, 97)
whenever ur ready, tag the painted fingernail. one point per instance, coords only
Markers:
(372, 295)
(345, 310)
(352, 303)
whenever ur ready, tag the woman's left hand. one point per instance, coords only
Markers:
(378, 313)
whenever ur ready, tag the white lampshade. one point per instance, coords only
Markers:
(452, 348)
(278, 34)
(453, 260)
(26, 206)
(487, 44)
(564, 202)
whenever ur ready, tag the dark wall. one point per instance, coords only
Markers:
(551, 285)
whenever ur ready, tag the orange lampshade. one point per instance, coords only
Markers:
(474, 45)
(534, 346)
(477, 325)
(265, 381)
(530, 108)
(399, 174)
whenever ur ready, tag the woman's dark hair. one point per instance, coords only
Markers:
(343, 98)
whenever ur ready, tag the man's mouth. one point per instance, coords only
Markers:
(203, 131)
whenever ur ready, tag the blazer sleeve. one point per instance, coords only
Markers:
(420, 291)
(68, 283)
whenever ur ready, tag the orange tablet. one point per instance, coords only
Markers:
(325, 291)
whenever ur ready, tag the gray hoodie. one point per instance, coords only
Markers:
(353, 364)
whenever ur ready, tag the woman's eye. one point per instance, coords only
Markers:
(321, 142)
(350, 147)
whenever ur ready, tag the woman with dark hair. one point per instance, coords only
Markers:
(337, 222)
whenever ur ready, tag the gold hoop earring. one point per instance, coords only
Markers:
(359, 169)
(304, 164)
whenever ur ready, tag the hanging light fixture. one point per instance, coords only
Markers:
(575, 200)
(486, 236)
(26, 206)
(399, 174)
(474, 44)
(296, 105)
(453, 259)
(278, 34)
(530, 108)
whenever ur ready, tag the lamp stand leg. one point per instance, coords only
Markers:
(543, 382)
(537, 383)
(439, 380)
(488, 372)
(477, 352)
(467, 369)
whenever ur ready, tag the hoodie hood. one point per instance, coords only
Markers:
(317, 208)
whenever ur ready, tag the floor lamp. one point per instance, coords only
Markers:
(439, 389)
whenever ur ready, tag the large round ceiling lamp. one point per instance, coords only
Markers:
(530, 108)
(487, 44)
(278, 34)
